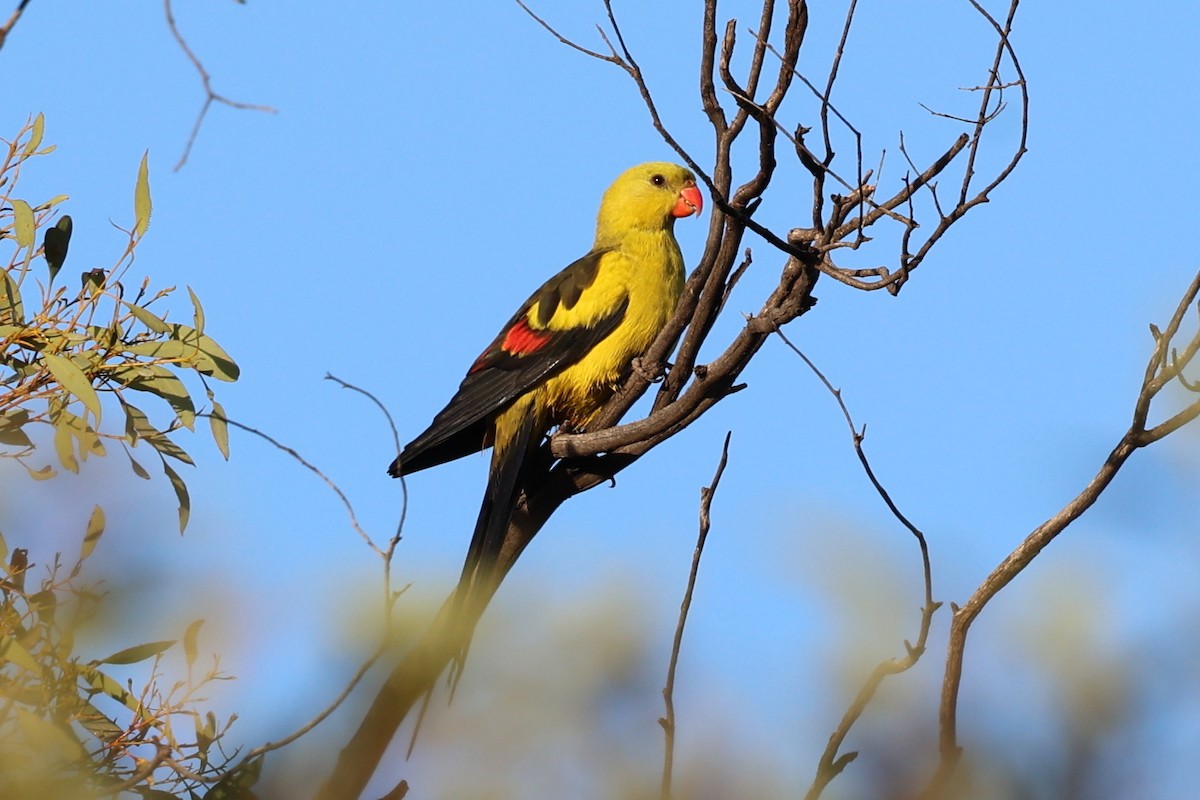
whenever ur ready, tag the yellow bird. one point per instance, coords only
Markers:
(565, 351)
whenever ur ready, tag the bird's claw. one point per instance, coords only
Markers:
(650, 376)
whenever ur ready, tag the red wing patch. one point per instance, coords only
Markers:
(522, 340)
(519, 340)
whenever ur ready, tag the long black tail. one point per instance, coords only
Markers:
(481, 574)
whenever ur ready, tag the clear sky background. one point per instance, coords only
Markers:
(431, 164)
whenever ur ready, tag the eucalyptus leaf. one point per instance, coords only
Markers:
(95, 529)
(23, 224)
(55, 243)
(38, 130)
(142, 207)
(190, 650)
(139, 652)
(181, 494)
(220, 428)
(73, 379)
(13, 652)
(11, 309)
(148, 319)
(198, 310)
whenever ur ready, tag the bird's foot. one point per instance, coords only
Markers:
(647, 374)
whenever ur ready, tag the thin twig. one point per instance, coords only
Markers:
(12, 20)
(831, 763)
(312, 468)
(206, 80)
(668, 720)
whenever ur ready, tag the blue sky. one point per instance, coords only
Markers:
(430, 165)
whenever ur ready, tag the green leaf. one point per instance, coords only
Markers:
(55, 243)
(95, 529)
(209, 357)
(11, 309)
(35, 135)
(190, 650)
(44, 604)
(102, 682)
(52, 202)
(148, 319)
(141, 198)
(139, 652)
(138, 428)
(198, 310)
(181, 494)
(162, 382)
(64, 444)
(168, 349)
(97, 724)
(220, 428)
(10, 428)
(138, 469)
(44, 474)
(13, 652)
(74, 381)
(23, 223)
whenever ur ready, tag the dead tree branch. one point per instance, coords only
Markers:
(210, 95)
(7, 27)
(1165, 366)
(667, 721)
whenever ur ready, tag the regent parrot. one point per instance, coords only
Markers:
(565, 351)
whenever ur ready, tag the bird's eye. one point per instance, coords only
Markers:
(658, 180)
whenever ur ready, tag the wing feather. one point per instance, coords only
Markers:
(521, 357)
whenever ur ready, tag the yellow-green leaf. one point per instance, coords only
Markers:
(198, 315)
(23, 223)
(64, 445)
(209, 357)
(162, 382)
(138, 469)
(139, 652)
(44, 474)
(11, 310)
(220, 428)
(141, 198)
(35, 135)
(181, 494)
(102, 682)
(74, 381)
(52, 202)
(148, 319)
(95, 528)
(13, 652)
(190, 650)
(168, 349)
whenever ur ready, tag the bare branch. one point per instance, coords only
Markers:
(668, 720)
(831, 763)
(210, 95)
(1158, 374)
(7, 27)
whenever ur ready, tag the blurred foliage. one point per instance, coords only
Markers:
(64, 351)
(70, 359)
(69, 728)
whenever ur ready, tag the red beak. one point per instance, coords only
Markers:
(690, 202)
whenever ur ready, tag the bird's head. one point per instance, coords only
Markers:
(648, 197)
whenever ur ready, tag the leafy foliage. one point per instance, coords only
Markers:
(70, 358)
(68, 727)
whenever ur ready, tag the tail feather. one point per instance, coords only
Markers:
(480, 574)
